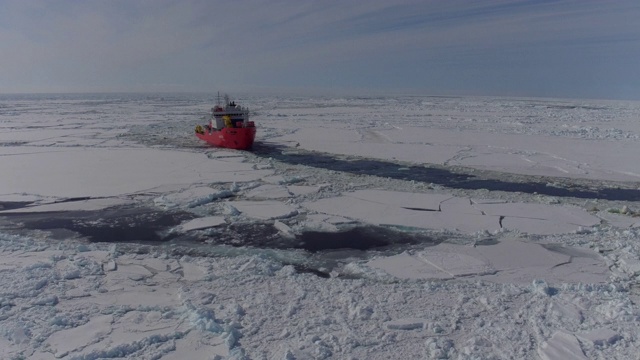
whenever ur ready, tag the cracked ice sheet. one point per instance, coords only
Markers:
(269, 192)
(562, 345)
(76, 172)
(264, 210)
(540, 219)
(419, 211)
(202, 223)
(65, 341)
(513, 153)
(510, 261)
(339, 141)
(49, 135)
(402, 199)
(619, 220)
(191, 197)
(533, 155)
(82, 205)
(379, 213)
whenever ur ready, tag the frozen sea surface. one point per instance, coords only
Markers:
(408, 227)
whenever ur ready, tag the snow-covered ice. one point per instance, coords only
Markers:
(406, 227)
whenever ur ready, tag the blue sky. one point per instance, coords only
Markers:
(569, 49)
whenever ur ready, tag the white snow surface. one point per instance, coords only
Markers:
(505, 275)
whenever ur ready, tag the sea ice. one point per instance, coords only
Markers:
(561, 346)
(503, 274)
(441, 211)
(203, 223)
(265, 210)
(509, 261)
(77, 172)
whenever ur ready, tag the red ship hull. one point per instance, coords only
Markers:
(231, 138)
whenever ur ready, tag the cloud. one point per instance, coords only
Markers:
(197, 44)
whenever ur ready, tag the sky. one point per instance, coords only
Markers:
(564, 48)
